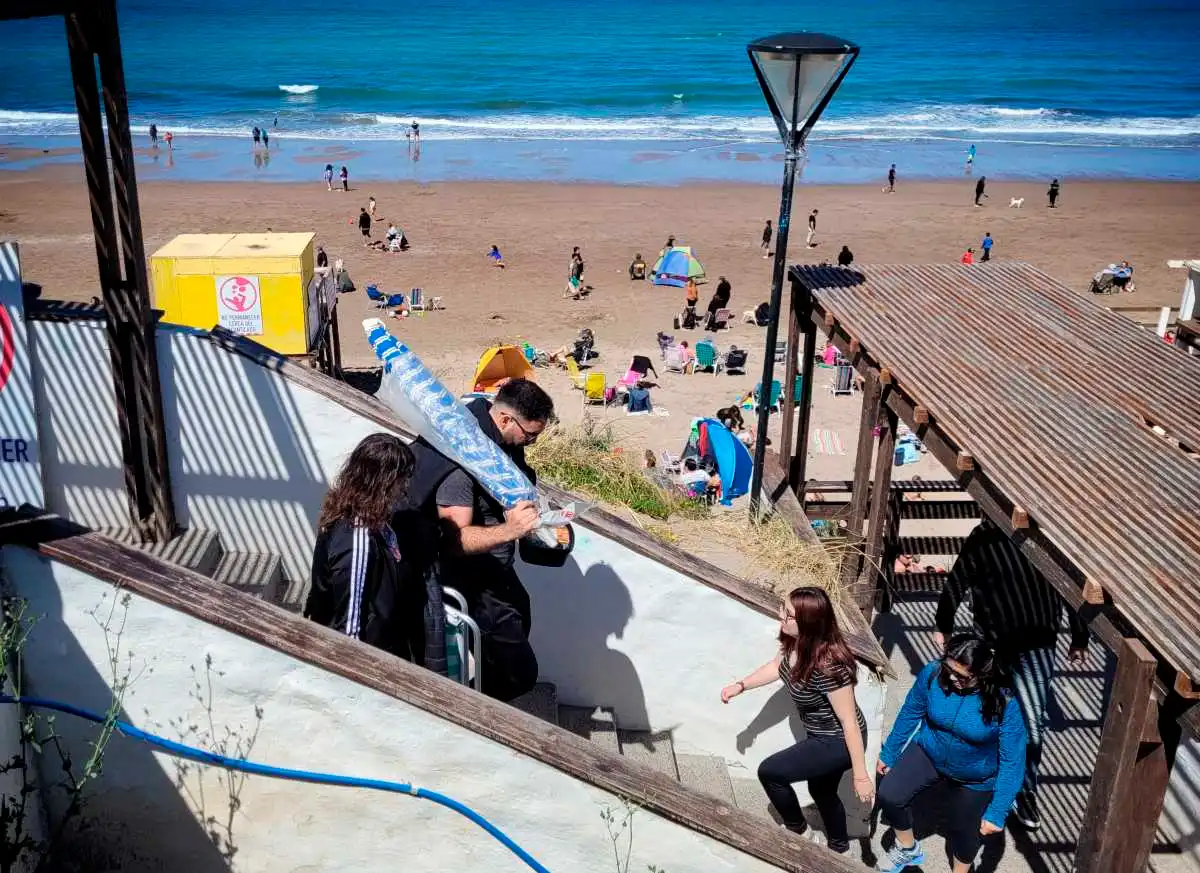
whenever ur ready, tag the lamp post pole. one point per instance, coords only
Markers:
(768, 370)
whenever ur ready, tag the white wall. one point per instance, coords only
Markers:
(312, 720)
(251, 454)
(615, 628)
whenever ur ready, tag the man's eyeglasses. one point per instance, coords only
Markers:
(529, 437)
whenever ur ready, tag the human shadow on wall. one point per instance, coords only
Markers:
(138, 821)
(246, 459)
(575, 613)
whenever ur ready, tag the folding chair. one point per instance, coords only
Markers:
(594, 388)
(575, 374)
(377, 297)
(416, 300)
(843, 380)
(674, 362)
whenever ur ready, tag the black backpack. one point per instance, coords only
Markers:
(762, 314)
(689, 319)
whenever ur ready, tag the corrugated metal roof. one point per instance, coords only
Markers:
(1054, 397)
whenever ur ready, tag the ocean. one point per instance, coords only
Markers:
(628, 90)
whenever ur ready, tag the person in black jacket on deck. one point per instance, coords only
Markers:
(479, 538)
(365, 581)
(1019, 614)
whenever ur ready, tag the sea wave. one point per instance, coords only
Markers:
(299, 89)
(932, 122)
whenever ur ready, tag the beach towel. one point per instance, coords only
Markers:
(827, 442)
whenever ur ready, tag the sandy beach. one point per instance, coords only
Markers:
(452, 225)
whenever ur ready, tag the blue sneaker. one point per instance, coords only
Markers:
(899, 858)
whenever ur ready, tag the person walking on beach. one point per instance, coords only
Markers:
(970, 157)
(371, 206)
(344, 175)
(329, 176)
(766, 240)
(891, 188)
(979, 186)
(266, 139)
(364, 225)
(986, 245)
(1052, 193)
(818, 669)
(170, 141)
(153, 136)
(416, 131)
(257, 134)
(812, 229)
(1016, 610)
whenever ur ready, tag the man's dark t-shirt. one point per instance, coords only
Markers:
(459, 489)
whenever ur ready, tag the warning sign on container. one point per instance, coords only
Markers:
(239, 304)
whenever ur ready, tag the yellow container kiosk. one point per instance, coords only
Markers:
(259, 285)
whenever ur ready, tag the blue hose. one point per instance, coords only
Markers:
(205, 757)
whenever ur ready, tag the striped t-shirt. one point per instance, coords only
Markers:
(812, 699)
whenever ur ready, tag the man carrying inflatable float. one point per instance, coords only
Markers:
(471, 484)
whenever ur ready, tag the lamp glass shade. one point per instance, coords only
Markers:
(795, 83)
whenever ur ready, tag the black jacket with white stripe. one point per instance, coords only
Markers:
(361, 589)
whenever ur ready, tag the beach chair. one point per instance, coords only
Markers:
(843, 380)
(594, 389)
(748, 316)
(674, 362)
(671, 463)
(780, 352)
(798, 389)
(435, 303)
(416, 300)
(735, 359)
(377, 297)
(721, 319)
(776, 393)
(575, 374)
(464, 654)
(707, 358)
(394, 300)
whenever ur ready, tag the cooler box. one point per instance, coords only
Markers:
(255, 284)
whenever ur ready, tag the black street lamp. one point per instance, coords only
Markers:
(798, 73)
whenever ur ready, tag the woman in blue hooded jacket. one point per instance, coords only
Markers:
(958, 725)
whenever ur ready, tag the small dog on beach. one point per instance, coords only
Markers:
(1016, 202)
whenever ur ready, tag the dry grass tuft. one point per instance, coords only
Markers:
(587, 460)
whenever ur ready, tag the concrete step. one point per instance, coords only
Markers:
(706, 773)
(198, 550)
(541, 702)
(750, 797)
(651, 749)
(592, 723)
(253, 573)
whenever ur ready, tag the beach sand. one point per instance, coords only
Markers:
(452, 225)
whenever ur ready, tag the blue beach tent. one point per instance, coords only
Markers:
(734, 463)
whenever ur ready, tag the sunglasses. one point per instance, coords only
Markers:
(530, 437)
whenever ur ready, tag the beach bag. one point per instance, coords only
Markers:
(689, 319)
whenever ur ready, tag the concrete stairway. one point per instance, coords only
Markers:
(203, 552)
(706, 773)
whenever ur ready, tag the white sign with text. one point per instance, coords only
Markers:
(239, 304)
(20, 468)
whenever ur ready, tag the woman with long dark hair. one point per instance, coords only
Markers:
(819, 671)
(958, 725)
(358, 584)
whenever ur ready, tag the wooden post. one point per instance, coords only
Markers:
(1133, 767)
(92, 40)
(885, 453)
(788, 407)
(851, 563)
(802, 305)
